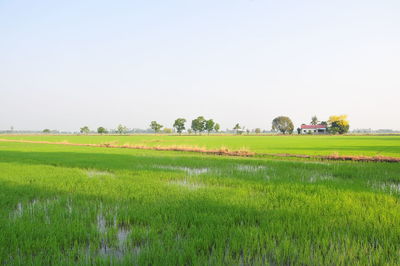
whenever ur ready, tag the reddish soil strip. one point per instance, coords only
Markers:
(357, 158)
(223, 151)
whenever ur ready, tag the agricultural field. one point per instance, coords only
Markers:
(63, 204)
(308, 145)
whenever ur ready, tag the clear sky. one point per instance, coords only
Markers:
(66, 64)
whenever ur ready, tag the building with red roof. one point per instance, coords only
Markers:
(313, 129)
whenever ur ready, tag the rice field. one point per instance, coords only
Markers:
(88, 205)
(309, 145)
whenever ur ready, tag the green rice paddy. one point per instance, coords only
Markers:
(310, 145)
(87, 205)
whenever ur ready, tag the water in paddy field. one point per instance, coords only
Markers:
(188, 170)
(250, 168)
(18, 211)
(391, 187)
(101, 224)
(119, 250)
(204, 170)
(316, 178)
(96, 173)
(33, 207)
(122, 236)
(188, 184)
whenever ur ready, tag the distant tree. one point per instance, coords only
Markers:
(248, 131)
(338, 124)
(155, 126)
(237, 128)
(199, 124)
(85, 130)
(121, 129)
(324, 123)
(216, 127)
(257, 130)
(167, 130)
(209, 126)
(46, 131)
(298, 130)
(101, 130)
(314, 120)
(180, 125)
(189, 131)
(283, 124)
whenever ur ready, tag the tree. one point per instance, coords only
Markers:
(46, 131)
(283, 124)
(216, 127)
(199, 124)
(155, 126)
(85, 130)
(314, 120)
(257, 130)
(338, 124)
(298, 130)
(236, 127)
(167, 130)
(180, 125)
(122, 129)
(209, 126)
(101, 130)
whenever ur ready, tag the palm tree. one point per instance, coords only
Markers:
(237, 127)
(314, 120)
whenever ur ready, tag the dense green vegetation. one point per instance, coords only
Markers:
(85, 205)
(312, 145)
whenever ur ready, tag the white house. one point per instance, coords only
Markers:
(313, 129)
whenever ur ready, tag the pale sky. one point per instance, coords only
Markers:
(66, 64)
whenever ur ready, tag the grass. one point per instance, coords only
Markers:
(88, 205)
(309, 145)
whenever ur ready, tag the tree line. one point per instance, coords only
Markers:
(281, 124)
(198, 125)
